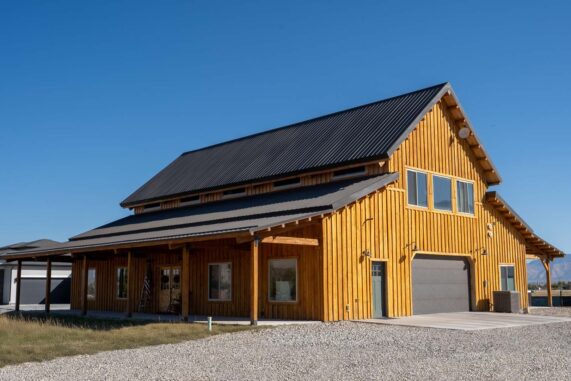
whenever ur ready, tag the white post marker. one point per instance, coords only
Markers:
(210, 324)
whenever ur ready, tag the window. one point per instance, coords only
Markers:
(283, 280)
(465, 195)
(91, 284)
(122, 282)
(349, 172)
(190, 200)
(156, 205)
(220, 281)
(442, 193)
(507, 277)
(417, 189)
(234, 192)
(287, 183)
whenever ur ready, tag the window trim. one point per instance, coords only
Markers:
(117, 283)
(94, 296)
(471, 182)
(500, 270)
(296, 281)
(231, 281)
(452, 189)
(427, 174)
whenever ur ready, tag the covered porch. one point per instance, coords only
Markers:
(536, 247)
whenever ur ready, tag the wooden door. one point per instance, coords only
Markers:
(169, 290)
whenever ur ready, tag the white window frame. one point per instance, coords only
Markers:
(512, 265)
(451, 210)
(117, 283)
(473, 197)
(231, 281)
(426, 174)
(270, 261)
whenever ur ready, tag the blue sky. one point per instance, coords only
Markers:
(96, 97)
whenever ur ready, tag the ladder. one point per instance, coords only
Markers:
(145, 300)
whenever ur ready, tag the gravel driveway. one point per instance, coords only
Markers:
(343, 350)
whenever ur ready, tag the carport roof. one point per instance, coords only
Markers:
(232, 217)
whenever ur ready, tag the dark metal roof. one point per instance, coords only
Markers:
(37, 244)
(247, 215)
(356, 135)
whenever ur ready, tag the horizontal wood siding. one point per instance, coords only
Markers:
(384, 225)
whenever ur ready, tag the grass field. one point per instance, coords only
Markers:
(37, 337)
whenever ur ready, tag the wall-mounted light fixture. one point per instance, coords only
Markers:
(366, 254)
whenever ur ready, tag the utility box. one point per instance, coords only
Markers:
(506, 301)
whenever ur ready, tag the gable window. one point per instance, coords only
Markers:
(507, 277)
(417, 188)
(220, 281)
(122, 282)
(283, 280)
(91, 284)
(465, 197)
(442, 189)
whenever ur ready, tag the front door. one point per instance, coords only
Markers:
(170, 296)
(378, 276)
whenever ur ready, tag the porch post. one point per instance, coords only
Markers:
(185, 282)
(18, 284)
(84, 271)
(47, 300)
(548, 280)
(130, 283)
(254, 282)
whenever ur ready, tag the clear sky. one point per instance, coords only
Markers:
(96, 97)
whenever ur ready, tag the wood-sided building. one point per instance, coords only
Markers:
(379, 210)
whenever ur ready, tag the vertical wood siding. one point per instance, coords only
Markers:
(383, 224)
(309, 305)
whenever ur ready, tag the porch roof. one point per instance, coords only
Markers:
(231, 218)
(535, 245)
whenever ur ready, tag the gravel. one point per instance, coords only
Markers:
(323, 351)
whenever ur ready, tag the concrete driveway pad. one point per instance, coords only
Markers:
(470, 321)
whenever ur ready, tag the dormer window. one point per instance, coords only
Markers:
(349, 172)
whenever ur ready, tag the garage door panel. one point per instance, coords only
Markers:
(33, 290)
(440, 284)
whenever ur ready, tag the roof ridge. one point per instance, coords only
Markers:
(443, 84)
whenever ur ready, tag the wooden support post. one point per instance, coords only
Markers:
(254, 283)
(185, 283)
(548, 280)
(84, 272)
(47, 300)
(18, 284)
(130, 284)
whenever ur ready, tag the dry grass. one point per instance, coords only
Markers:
(36, 338)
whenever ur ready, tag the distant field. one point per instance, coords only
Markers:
(33, 338)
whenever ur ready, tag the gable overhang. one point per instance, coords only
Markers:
(536, 247)
(460, 118)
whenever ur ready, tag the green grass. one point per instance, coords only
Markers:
(36, 337)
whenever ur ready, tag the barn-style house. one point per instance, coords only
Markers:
(379, 210)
